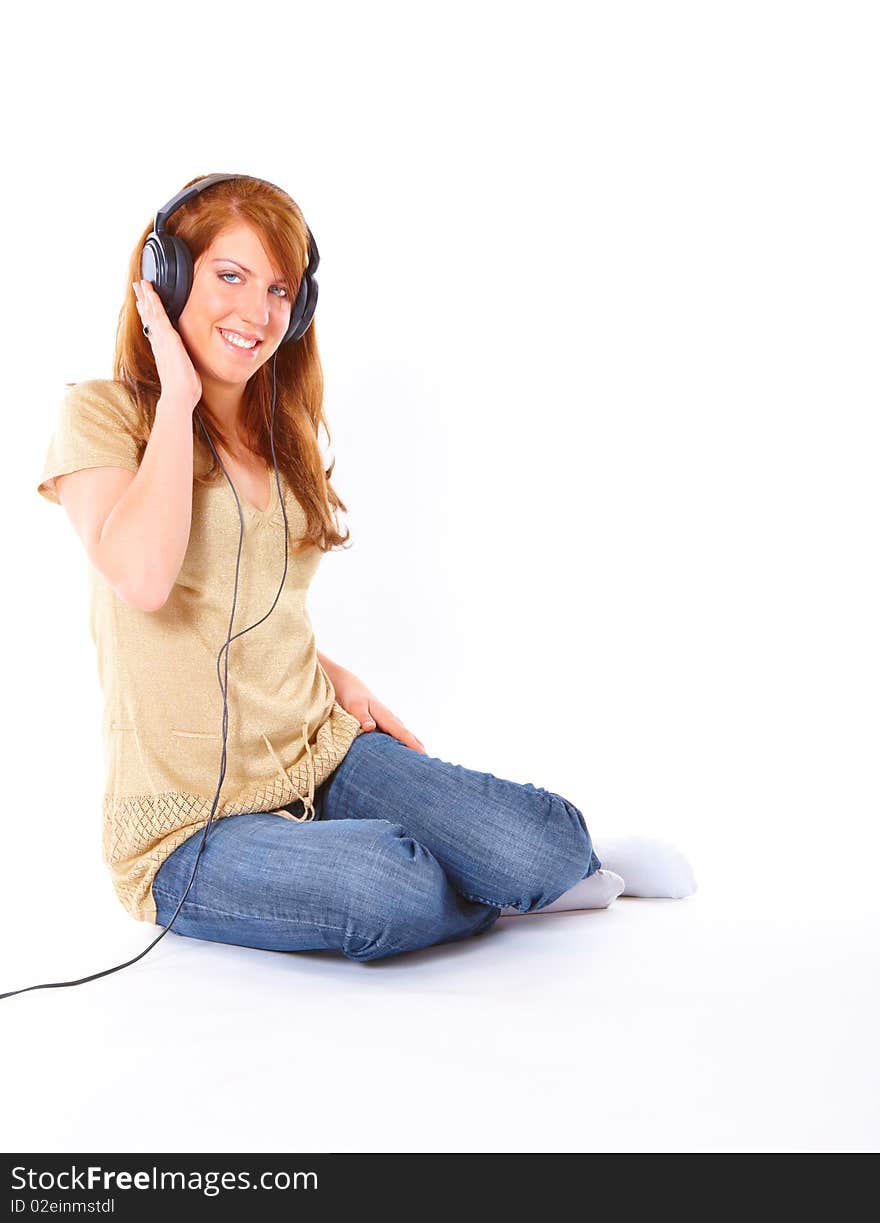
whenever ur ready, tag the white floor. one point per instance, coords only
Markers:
(701, 1024)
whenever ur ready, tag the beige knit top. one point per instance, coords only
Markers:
(159, 673)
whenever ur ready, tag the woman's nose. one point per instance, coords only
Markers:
(256, 309)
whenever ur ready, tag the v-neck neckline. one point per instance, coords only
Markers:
(273, 494)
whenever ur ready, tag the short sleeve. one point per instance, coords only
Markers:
(96, 427)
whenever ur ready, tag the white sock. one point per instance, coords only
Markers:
(597, 892)
(651, 867)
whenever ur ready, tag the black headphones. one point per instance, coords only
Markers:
(167, 261)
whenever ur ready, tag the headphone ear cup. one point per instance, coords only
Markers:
(306, 299)
(167, 262)
(304, 309)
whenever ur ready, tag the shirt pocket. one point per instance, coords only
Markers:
(194, 763)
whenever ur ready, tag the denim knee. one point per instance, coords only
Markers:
(559, 858)
(400, 899)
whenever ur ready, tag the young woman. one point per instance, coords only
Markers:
(195, 481)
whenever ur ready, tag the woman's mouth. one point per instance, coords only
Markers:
(235, 343)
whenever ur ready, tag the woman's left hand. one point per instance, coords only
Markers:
(356, 698)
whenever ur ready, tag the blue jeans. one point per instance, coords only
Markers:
(404, 851)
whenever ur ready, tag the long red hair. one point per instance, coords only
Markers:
(299, 378)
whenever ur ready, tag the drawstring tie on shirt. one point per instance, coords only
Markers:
(307, 802)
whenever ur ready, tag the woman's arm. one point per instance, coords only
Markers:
(145, 536)
(330, 667)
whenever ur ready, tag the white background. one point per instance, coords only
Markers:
(598, 316)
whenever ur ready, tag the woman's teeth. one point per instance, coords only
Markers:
(236, 340)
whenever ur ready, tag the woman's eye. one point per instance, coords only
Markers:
(222, 274)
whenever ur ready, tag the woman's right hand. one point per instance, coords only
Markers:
(178, 377)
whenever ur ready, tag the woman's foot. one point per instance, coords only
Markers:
(596, 892)
(651, 867)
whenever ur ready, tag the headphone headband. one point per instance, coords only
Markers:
(187, 193)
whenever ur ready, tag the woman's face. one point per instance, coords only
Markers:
(226, 297)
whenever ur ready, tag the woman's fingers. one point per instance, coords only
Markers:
(375, 714)
(149, 304)
(177, 373)
(142, 300)
(395, 727)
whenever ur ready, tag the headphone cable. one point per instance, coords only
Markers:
(223, 688)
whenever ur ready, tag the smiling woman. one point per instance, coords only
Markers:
(314, 834)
